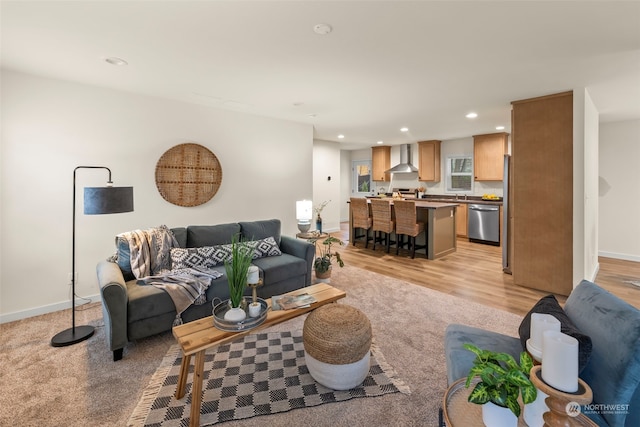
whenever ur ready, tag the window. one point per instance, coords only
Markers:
(361, 177)
(460, 174)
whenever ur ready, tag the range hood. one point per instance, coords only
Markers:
(405, 165)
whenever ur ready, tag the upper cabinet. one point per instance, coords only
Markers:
(488, 156)
(380, 162)
(429, 161)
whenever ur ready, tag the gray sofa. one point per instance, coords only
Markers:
(613, 368)
(133, 311)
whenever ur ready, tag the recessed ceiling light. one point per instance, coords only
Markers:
(471, 115)
(116, 61)
(499, 127)
(404, 129)
(340, 136)
(380, 142)
(322, 29)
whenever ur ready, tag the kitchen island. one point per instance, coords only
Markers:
(440, 224)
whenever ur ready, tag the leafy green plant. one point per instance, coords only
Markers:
(502, 379)
(323, 260)
(236, 268)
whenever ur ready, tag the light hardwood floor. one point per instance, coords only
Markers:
(474, 272)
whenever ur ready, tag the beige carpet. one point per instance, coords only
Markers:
(81, 386)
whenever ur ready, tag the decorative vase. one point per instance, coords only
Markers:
(498, 416)
(235, 314)
(319, 224)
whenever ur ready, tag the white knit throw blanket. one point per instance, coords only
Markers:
(151, 264)
(150, 250)
(185, 287)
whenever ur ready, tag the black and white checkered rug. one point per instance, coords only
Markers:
(260, 374)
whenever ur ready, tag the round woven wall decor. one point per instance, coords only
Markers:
(188, 175)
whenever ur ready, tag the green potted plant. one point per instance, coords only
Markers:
(236, 268)
(322, 263)
(502, 380)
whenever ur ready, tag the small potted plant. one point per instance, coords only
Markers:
(322, 263)
(502, 380)
(236, 268)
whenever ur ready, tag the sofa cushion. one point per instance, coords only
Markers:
(278, 268)
(146, 301)
(180, 233)
(550, 305)
(211, 235)
(257, 230)
(460, 360)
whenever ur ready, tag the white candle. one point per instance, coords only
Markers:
(254, 309)
(540, 323)
(560, 361)
(252, 275)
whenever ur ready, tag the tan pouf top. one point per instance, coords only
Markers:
(337, 334)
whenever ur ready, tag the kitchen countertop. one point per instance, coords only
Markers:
(468, 200)
(425, 203)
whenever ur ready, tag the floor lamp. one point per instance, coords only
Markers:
(97, 201)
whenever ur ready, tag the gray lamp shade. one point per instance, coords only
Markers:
(107, 200)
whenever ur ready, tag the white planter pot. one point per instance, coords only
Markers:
(533, 411)
(235, 315)
(497, 416)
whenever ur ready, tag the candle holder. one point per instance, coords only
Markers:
(557, 402)
(254, 289)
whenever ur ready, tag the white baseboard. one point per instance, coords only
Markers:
(595, 273)
(37, 311)
(625, 257)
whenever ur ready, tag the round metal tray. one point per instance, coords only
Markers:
(248, 323)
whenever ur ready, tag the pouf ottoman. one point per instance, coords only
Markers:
(337, 344)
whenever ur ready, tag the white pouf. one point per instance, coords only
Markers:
(338, 377)
(337, 344)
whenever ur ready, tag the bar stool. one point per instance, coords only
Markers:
(407, 224)
(360, 218)
(382, 222)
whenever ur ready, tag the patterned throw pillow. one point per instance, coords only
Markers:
(265, 247)
(210, 256)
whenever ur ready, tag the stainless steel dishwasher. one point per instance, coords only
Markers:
(484, 223)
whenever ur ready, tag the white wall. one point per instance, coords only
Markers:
(326, 183)
(51, 126)
(590, 186)
(346, 177)
(619, 190)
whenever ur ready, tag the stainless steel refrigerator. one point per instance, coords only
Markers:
(506, 179)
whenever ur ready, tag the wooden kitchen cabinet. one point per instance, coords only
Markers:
(541, 190)
(429, 161)
(461, 220)
(488, 156)
(380, 162)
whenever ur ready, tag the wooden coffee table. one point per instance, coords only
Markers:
(197, 336)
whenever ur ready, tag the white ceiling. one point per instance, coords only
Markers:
(386, 64)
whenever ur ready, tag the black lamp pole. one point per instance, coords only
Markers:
(97, 200)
